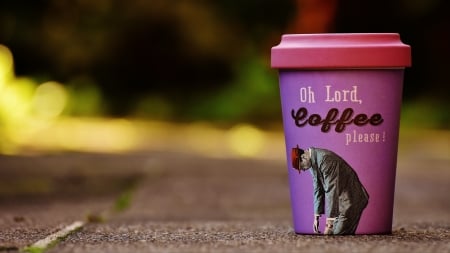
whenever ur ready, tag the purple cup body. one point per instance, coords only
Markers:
(342, 119)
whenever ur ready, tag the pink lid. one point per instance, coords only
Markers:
(341, 50)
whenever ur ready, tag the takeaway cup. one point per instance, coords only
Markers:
(341, 96)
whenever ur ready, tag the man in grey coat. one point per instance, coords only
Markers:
(336, 188)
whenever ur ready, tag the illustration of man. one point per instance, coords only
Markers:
(336, 188)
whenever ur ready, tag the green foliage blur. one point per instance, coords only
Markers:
(187, 60)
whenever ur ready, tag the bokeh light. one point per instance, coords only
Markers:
(25, 107)
(246, 140)
(54, 117)
(6, 65)
(49, 100)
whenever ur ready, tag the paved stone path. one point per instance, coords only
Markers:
(172, 202)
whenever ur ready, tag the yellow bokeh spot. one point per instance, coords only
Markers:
(49, 100)
(6, 65)
(94, 135)
(17, 96)
(246, 140)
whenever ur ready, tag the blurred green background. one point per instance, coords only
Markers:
(83, 68)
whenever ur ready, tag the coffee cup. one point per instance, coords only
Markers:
(341, 97)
